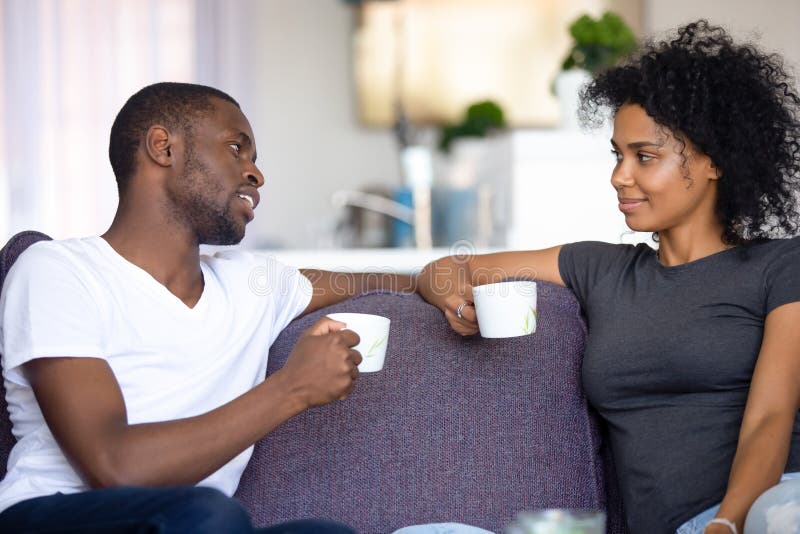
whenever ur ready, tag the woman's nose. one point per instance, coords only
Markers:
(621, 176)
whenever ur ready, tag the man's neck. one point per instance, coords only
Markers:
(171, 256)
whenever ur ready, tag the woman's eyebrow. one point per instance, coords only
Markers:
(639, 144)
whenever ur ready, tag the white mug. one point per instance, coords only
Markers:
(558, 521)
(374, 333)
(506, 309)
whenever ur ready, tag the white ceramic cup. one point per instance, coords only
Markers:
(558, 521)
(506, 309)
(374, 333)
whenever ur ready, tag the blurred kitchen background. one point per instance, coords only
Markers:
(410, 125)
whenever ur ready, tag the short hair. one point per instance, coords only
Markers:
(174, 105)
(736, 104)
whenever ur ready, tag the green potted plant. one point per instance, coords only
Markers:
(481, 119)
(598, 43)
(472, 171)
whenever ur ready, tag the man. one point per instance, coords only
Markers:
(133, 364)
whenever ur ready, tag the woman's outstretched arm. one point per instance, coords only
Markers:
(447, 282)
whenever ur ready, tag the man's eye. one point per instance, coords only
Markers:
(236, 147)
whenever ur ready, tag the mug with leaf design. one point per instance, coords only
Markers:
(374, 333)
(506, 309)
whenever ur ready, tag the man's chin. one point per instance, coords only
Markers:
(222, 242)
(223, 239)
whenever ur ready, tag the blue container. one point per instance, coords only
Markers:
(402, 232)
(454, 215)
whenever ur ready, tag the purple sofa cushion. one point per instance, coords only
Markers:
(8, 255)
(452, 429)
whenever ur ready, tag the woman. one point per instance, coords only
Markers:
(693, 354)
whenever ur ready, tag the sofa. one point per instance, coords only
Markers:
(452, 429)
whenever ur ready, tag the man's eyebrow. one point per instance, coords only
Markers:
(244, 138)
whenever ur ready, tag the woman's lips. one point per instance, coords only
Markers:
(629, 205)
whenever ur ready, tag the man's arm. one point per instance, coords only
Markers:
(83, 405)
(332, 287)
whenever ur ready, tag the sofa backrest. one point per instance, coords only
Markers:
(8, 255)
(452, 429)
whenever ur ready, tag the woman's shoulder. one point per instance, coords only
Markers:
(778, 261)
(583, 265)
(773, 249)
(609, 249)
(771, 260)
(600, 251)
(602, 257)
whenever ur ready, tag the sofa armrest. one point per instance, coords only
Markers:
(452, 429)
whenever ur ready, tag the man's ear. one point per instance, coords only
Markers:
(159, 145)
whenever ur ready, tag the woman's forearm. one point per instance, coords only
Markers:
(758, 465)
(442, 278)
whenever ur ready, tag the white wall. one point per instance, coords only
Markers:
(289, 64)
(778, 21)
(302, 109)
(301, 102)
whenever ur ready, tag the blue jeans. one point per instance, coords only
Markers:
(134, 510)
(697, 524)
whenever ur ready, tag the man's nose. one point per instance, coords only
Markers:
(253, 176)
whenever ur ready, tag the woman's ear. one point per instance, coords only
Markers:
(158, 145)
(712, 172)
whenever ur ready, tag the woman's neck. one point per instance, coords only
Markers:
(676, 247)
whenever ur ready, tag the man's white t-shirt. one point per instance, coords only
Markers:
(79, 298)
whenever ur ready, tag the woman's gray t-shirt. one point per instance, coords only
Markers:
(668, 363)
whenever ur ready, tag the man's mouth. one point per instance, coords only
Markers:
(248, 199)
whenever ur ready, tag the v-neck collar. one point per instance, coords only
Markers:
(153, 286)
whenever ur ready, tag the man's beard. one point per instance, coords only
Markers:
(213, 222)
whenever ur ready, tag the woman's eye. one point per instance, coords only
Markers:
(617, 155)
(644, 157)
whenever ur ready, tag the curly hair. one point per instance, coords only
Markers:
(172, 104)
(734, 103)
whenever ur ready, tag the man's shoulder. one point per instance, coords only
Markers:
(237, 259)
(256, 274)
(49, 272)
(235, 255)
(64, 251)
